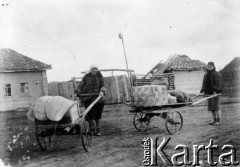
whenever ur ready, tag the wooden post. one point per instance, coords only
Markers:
(74, 83)
(121, 37)
(45, 83)
(130, 89)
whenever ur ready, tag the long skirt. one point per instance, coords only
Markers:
(214, 104)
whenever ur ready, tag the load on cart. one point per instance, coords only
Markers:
(155, 100)
(56, 115)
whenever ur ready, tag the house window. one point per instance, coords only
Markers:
(24, 88)
(7, 89)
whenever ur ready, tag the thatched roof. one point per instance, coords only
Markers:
(233, 66)
(178, 63)
(11, 61)
(184, 63)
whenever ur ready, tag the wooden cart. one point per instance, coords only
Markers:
(171, 115)
(46, 129)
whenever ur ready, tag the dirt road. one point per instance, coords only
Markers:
(120, 143)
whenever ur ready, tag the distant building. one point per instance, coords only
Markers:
(22, 80)
(188, 73)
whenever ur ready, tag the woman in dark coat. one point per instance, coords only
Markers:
(212, 85)
(91, 83)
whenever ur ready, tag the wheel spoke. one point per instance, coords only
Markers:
(138, 116)
(140, 121)
(137, 122)
(45, 144)
(177, 126)
(85, 136)
(173, 122)
(43, 140)
(88, 139)
(146, 123)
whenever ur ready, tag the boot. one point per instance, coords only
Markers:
(218, 114)
(98, 132)
(217, 121)
(212, 123)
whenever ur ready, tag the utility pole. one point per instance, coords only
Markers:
(121, 37)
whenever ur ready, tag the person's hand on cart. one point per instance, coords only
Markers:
(102, 92)
(202, 93)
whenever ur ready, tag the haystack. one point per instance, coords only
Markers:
(230, 78)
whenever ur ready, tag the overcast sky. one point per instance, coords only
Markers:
(72, 34)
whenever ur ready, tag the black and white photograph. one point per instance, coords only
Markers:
(119, 83)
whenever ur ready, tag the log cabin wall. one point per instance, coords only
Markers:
(139, 80)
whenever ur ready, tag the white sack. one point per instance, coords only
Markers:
(57, 107)
(39, 108)
(72, 113)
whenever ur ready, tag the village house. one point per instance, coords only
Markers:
(22, 79)
(188, 73)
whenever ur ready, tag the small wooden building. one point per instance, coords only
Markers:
(22, 80)
(188, 73)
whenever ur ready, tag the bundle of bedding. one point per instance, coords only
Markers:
(149, 95)
(181, 97)
(54, 108)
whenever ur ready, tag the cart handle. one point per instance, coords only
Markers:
(204, 95)
(84, 113)
(207, 97)
(90, 94)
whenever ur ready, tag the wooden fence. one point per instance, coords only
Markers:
(65, 89)
(118, 89)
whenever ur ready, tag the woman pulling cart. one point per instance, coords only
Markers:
(212, 85)
(211, 91)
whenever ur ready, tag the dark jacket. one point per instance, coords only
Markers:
(212, 82)
(90, 84)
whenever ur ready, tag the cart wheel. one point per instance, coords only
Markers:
(173, 122)
(86, 136)
(141, 121)
(43, 138)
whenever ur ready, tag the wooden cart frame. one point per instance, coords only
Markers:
(171, 115)
(46, 129)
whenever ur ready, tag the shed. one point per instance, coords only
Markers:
(22, 79)
(188, 73)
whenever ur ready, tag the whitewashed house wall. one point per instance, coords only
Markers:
(189, 82)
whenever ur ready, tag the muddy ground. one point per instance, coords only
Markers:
(120, 143)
